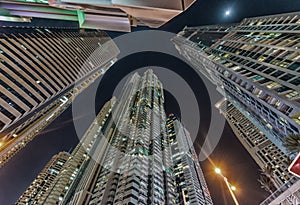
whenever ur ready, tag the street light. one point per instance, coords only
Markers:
(230, 187)
(218, 171)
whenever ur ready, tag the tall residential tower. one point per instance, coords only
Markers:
(38, 70)
(128, 155)
(256, 66)
(41, 184)
(189, 179)
(262, 150)
(39, 64)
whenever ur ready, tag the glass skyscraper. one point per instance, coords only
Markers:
(131, 154)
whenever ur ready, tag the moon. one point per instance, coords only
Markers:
(227, 12)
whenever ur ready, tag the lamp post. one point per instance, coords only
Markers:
(230, 187)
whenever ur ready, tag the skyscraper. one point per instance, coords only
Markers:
(116, 15)
(38, 68)
(126, 155)
(262, 150)
(41, 184)
(39, 64)
(256, 64)
(190, 183)
(17, 138)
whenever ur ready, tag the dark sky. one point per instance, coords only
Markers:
(236, 164)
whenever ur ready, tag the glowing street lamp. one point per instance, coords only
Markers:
(233, 188)
(230, 187)
(218, 171)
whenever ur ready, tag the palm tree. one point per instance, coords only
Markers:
(268, 171)
(292, 143)
(266, 183)
(288, 162)
(266, 178)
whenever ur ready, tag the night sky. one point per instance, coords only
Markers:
(236, 164)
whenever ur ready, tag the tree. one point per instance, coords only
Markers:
(266, 183)
(292, 143)
(288, 162)
(266, 179)
(268, 171)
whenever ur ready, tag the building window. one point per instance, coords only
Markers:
(296, 81)
(287, 77)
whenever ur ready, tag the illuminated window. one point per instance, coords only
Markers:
(294, 94)
(273, 85)
(261, 59)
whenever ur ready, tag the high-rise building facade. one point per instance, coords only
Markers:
(262, 150)
(43, 181)
(189, 179)
(39, 64)
(257, 65)
(79, 159)
(126, 156)
(135, 167)
(116, 15)
(17, 138)
(39, 68)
